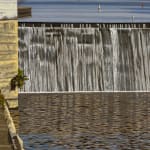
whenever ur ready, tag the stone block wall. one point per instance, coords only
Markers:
(8, 9)
(8, 56)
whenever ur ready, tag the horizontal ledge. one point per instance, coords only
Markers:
(85, 25)
(5, 146)
(69, 92)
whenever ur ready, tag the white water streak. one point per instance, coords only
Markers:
(85, 59)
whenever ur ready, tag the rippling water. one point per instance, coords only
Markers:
(95, 121)
(87, 10)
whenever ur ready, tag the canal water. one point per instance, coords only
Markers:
(88, 10)
(82, 121)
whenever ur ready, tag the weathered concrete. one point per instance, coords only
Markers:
(16, 140)
(4, 136)
(12, 103)
(8, 69)
(5, 147)
(8, 56)
(8, 9)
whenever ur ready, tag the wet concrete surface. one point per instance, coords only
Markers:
(4, 138)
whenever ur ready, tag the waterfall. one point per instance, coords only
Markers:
(66, 58)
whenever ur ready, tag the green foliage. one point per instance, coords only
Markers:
(2, 99)
(18, 80)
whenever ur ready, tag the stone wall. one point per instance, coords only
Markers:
(8, 9)
(8, 55)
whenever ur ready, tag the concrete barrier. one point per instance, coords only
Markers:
(16, 140)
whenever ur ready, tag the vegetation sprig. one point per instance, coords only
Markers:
(18, 80)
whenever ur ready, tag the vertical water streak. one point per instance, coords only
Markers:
(84, 59)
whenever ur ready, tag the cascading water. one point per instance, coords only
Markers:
(84, 59)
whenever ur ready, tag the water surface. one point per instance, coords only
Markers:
(95, 121)
(87, 10)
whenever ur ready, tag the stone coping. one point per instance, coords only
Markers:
(16, 140)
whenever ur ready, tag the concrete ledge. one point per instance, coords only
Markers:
(12, 103)
(5, 147)
(4, 136)
(16, 140)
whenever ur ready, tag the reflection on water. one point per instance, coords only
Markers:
(85, 121)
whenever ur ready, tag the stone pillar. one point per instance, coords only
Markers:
(8, 46)
(8, 54)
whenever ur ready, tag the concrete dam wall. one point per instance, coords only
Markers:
(68, 58)
(8, 55)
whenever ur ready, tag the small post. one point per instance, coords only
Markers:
(132, 19)
(99, 8)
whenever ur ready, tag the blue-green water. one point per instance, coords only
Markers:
(85, 121)
(88, 10)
